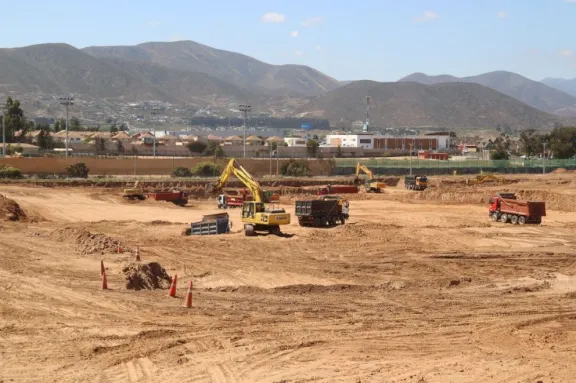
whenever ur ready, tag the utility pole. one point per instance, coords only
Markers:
(67, 101)
(245, 108)
(153, 113)
(411, 158)
(544, 159)
(3, 132)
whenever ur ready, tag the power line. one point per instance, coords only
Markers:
(245, 108)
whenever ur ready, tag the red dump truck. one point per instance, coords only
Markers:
(338, 189)
(506, 207)
(177, 197)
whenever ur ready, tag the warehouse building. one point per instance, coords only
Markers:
(432, 141)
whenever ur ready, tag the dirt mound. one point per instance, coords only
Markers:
(10, 210)
(146, 276)
(88, 243)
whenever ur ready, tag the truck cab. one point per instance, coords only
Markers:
(506, 207)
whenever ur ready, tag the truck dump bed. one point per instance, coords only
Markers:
(527, 208)
(316, 208)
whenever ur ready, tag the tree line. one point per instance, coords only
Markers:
(560, 143)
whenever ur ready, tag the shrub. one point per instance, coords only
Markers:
(79, 170)
(296, 169)
(8, 171)
(206, 169)
(181, 171)
(197, 147)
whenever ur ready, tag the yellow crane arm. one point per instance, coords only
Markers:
(237, 170)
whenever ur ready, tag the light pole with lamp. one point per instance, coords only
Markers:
(67, 101)
(245, 108)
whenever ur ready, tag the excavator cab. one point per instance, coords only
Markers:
(370, 185)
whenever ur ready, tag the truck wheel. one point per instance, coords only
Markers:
(504, 218)
(248, 230)
(494, 217)
(342, 220)
(521, 220)
(514, 219)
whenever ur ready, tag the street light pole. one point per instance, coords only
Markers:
(544, 160)
(67, 101)
(3, 132)
(245, 108)
(410, 159)
(153, 113)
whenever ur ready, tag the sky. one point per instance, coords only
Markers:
(380, 40)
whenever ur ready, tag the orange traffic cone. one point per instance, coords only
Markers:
(104, 281)
(188, 301)
(102, 270)
(172, 291)
(119, 249)
(137, 255)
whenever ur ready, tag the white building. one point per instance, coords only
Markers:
(295, 141)
(433, 141)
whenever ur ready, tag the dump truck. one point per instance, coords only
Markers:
(228, 202)
(340, 189)
(326, 211)
(416, 182)
(506, 207)
(210, 224)
(177, 197)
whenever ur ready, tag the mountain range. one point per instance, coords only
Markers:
(197, 76)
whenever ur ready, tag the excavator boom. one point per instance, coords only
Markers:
(235, 169)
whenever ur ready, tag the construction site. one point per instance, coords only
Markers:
(445, 278)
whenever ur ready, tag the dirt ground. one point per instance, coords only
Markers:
(416, 287)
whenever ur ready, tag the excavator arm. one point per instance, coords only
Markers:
(362, 168)
(235, 169)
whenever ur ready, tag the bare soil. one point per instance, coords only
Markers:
(416, 287)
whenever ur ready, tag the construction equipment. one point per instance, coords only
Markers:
(210, 224)
(135, 192)
(177, 197)
(370, 185)
(342, 189)
(416, 182)
(255, 216)
(505, 207)
(480, 179)
(328, 210)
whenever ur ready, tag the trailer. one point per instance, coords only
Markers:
(416, 182)
(322, 212)
(177, 197)
(211, 224)
(506, 207)
(338, 189)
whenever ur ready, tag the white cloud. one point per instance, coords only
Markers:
(567, 52)
(570, 1)
(319, 48)
(273, 17)
(427, 16)
(153, 23)
(502, 15)
(294, 33)
(298, 53)
(312, 21)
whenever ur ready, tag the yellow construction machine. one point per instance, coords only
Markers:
(370, 185)
(255, 216)
(135, 192)
(480, 179)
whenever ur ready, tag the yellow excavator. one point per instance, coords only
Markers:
(135, 192)
(255, 216)
(370, 184)
(480, 179)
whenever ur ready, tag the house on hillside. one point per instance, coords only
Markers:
(274, 140)
(122, 136)
(254, 141)
(233, 140)
(73, 137)
(33, 136)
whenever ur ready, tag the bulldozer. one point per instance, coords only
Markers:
(370, 185)
(255, 215)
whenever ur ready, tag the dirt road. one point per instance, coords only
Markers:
(410, 290)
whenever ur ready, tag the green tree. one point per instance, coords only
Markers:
(197, 147)
(531, 142)
(339, 152)
(501, 148)
(563, 142)
(214, 149)
(16, 124)
(312, 147)
(123, 127)
(45, 140)
(99, 145)
(74, 125)
(120, 147)
(113, 128)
